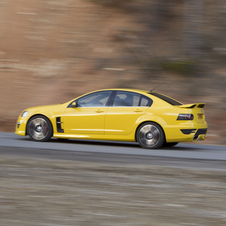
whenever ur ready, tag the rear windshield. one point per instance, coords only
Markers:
(167, 99)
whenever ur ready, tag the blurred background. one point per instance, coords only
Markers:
(53, 51)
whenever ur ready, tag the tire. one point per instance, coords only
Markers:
(39, 128)
(150, 135)
(169, 145)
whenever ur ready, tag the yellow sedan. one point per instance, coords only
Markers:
(151, 119)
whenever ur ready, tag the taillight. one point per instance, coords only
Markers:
(185, 117)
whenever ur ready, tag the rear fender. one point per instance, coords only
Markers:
(148, 118)
(152, 118)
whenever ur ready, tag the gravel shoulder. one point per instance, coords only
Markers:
(45, 191)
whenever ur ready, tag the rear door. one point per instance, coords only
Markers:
(126, 109)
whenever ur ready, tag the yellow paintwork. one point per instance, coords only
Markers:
(117, 123)
(83, 120)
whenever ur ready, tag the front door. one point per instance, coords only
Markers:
(88, 116)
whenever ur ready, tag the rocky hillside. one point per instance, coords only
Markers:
(53, 51)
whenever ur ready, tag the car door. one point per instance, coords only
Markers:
(88, 116)
(126, 109)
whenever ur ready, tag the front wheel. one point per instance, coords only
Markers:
(150, 135)
(39, 128)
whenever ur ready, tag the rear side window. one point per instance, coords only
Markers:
(167, 99)
(144, 102)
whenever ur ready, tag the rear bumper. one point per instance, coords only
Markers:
(198, 132)
(175, 134)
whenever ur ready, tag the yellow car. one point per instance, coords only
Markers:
(151, 119)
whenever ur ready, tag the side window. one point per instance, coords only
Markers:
(126, 99)
(144, 102)
(98, 99)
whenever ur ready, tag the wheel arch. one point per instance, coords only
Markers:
(34, 116)
(146, 122)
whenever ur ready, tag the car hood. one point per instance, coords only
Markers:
(42, 107)
(47, 110)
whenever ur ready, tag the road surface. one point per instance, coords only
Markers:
(110, 183)
(183, 155)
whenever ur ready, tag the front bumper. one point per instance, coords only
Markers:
(21, 126)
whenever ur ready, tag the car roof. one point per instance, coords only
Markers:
(126, 89)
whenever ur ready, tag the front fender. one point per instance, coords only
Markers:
(50, 112)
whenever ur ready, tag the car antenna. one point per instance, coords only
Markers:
(157, 86)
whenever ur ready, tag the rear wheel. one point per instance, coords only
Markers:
(150, 135)
(39, 128)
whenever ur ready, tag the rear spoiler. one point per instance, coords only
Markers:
(196, 105)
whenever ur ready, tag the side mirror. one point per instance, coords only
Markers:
(74, 104)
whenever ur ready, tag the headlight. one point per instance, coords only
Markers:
(24, 114)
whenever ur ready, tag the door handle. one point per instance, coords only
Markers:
(99, 111)
(138, 110)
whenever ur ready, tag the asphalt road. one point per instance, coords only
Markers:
(192, 155)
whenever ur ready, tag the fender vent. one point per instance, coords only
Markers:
(58, 124)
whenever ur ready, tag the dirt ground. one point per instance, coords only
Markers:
(54, 193)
